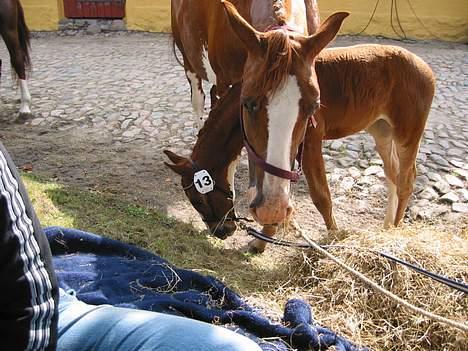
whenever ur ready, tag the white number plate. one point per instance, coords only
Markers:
(203, 181)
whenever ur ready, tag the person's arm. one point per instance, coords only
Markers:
(28, 286)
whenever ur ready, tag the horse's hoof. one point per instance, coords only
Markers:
(23, 117)
(253, 247)
(250, 249)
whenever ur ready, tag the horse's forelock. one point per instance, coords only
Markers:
(277, 63)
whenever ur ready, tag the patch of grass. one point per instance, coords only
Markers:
(180, 243)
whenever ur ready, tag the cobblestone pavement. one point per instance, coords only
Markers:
(130, 86)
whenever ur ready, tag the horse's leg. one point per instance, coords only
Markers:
(11, 38)
(407, 156)
(314, 170)
(197, 95)
(25, 107)
(17, 57)
(385, 146)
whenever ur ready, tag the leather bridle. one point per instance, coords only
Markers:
(267, 167)
(292, 175)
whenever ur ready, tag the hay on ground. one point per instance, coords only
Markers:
(353, 309)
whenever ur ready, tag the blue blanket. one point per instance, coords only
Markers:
(105, 271)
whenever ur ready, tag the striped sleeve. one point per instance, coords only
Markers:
(29, 294)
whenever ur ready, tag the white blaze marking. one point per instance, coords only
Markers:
(211, 75)
(298, 17)
(230, 176)
(25, 97)
(283, 111)
(198, 97)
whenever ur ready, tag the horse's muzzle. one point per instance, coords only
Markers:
(222, 231)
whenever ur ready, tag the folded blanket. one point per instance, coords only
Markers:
(105, 271)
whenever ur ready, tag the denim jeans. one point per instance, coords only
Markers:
(85, 327)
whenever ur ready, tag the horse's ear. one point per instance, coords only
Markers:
(181, 169)
(181, 165)
(250, 37)
(324, 35)
(174, 157)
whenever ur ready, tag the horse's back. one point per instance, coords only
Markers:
(202, 33)
(398, 61)
(363, 83)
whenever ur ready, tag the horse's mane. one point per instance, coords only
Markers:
(277, 62)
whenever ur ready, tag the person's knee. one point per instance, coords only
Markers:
(231, 341)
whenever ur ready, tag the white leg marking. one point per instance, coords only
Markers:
(392, 204)
(298, 19)
(210, 74)
(198, 97)
(283, 111)
(230, 176)
(25, 97)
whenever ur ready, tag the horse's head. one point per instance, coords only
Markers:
(209, 192)
(279, 95)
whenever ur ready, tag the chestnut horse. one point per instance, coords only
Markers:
(15, 33)
(211, 50)
(385, 90)
(275, 63)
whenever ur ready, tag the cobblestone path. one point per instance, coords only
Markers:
(129, 85)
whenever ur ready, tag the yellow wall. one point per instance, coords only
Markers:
(446, 20)
(42, 14)
(148, 15)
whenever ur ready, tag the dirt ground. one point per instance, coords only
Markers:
(89, 160)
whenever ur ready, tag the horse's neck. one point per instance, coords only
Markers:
(265, 14)
(220, 144)
(216, 153)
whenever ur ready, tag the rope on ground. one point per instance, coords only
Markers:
(373, 285)
(454, 284)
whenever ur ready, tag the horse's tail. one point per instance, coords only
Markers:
(174, 50)
(24, 36)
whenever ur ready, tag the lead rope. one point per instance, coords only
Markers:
(454, 284)
(372, 284)
(375, 286)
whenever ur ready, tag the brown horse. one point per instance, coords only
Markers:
(15, 33)
(275, 63)
(385, 90)
(215, 208)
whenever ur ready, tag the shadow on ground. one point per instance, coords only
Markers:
(178, 242)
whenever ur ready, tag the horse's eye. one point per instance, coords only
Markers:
(250, 105)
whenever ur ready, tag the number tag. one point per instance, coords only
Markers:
(203, 181)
